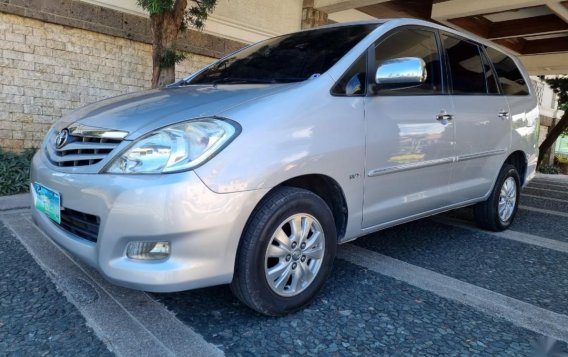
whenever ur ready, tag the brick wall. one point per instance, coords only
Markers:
(46, 70)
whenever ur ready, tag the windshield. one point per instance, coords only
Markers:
(288, 58)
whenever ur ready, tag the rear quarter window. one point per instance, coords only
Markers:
(510, 78)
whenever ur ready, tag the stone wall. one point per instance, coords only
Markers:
(58, 55)
(47, 70)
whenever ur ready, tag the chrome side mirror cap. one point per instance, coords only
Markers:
(404, 71)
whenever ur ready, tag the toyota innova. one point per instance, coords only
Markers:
(252, 170)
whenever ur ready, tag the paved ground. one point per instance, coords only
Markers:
(35, 319)
(438, 286)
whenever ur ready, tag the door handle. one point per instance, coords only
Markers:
(444, 116)
(503, 114)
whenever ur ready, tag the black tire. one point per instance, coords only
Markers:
(250, 284)
(487, 213)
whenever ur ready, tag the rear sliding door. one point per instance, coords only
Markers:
(481, 118)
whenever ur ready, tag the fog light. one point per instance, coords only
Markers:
(148, 250)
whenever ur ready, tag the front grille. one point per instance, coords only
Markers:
(80, 224)
(82, 151)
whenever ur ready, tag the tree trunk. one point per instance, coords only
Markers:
(165, 29)
(553, 134)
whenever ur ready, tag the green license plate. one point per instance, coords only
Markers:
(47, 201)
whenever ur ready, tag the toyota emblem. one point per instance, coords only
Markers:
(61, 138)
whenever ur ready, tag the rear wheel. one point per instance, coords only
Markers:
(498, 211)
(286, 252)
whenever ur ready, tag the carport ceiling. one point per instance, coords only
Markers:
(537, 30)
(529, 30)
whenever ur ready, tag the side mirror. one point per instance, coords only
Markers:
(404, 71)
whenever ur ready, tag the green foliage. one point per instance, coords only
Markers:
(156, 6)
(171, 56)
(545, 169)
(559, 85)
(15, 171)
(197, 15)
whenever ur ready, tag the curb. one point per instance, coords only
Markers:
(19, 201)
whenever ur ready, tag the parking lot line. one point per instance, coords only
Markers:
(548, 186)
(547, 189)
(542, 210)
(508, 234)
(519, 313)
(561, 179)
(540, 224)
(561, 195)
(128, 321)
(544, 197)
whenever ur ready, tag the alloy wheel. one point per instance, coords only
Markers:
(507, 199)
(294, 255)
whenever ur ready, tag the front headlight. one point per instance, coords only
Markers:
(176, 147)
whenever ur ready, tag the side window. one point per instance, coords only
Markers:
(354, 81)
(465, 66)
(510, 78)
(411, 43)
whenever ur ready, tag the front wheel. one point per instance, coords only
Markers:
(286, 252)
(498, 211)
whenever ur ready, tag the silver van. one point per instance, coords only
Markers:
(252, 170)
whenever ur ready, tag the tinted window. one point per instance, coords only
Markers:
(510, 78)
(465, 66)
(412, 43)
(354, 81)
(289, 58)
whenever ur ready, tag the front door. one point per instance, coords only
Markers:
(410, 135)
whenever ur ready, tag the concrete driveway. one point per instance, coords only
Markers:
(438, 286)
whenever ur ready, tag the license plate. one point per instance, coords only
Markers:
(47, 201)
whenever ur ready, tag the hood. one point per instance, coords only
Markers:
(139, 113)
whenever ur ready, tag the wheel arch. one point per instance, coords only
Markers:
(519, 160)
(330, 191)
(326, 188)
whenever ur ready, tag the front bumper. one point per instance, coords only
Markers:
(202, 227)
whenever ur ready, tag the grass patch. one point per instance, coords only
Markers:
(15, 171)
